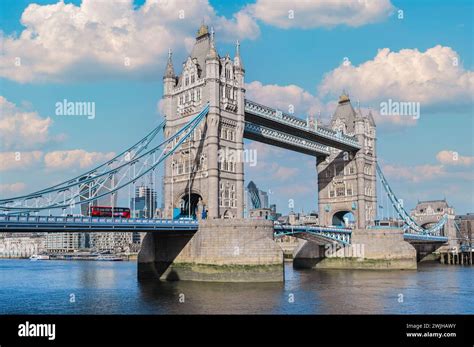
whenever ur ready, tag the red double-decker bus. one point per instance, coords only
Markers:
(106, 211)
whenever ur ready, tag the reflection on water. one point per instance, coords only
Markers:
(113, 288)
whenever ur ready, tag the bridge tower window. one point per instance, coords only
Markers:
(340, 191)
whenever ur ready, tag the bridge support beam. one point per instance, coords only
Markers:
(220, 251)
(379, 249)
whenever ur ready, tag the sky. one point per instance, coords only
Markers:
(301, 53)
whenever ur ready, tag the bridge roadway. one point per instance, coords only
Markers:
(270, 118)
(320, 234)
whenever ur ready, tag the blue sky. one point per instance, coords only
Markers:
(297, 62)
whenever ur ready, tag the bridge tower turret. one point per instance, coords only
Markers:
(239, 73)
(347, 180)
(206, 173)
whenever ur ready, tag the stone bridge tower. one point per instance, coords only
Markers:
(206, 172)
(347, 181)
(428, 213)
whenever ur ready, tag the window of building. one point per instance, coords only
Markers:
(340, 191)
(192, 79)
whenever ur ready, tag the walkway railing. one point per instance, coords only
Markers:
(65, 223)
(329, 234)
(274, 115)
(279, 136)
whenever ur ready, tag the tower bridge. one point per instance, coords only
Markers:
(206, 111)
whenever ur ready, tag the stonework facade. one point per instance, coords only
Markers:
(346, 180)
(196, 177)
(428, 213)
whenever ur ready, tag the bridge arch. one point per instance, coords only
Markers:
(190, 203)
(343, 218)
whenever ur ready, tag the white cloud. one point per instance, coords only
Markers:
(423, 173)
(415, 174)
(305, 103)
(454, 158)
(320, 13)
(10, 188)
(77, 158)
(19, 160)
(282, 97)
(242, 26)
(433, 76)
(20, 129)
(102, 38)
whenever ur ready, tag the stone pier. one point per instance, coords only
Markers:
(379, 249)
(221, 250)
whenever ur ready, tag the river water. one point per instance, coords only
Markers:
(95, 287)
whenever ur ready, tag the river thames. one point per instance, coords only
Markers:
(95, 287)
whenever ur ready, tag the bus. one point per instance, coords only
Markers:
(106, 211)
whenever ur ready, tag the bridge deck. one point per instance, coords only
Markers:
(266, 116)
(91, 224)
(280, 139)
(97, 224)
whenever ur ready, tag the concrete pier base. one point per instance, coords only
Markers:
(427, 252)
(370, 249)
(220, 251)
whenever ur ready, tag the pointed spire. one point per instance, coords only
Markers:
(169, 72)
(212, 50)
(203, 30)
(344, 97)
(238, 60)
(371, 118)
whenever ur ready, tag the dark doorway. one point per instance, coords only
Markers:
(343, 219)
(186, 209)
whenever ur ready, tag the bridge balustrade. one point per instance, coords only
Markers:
(269, 113)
